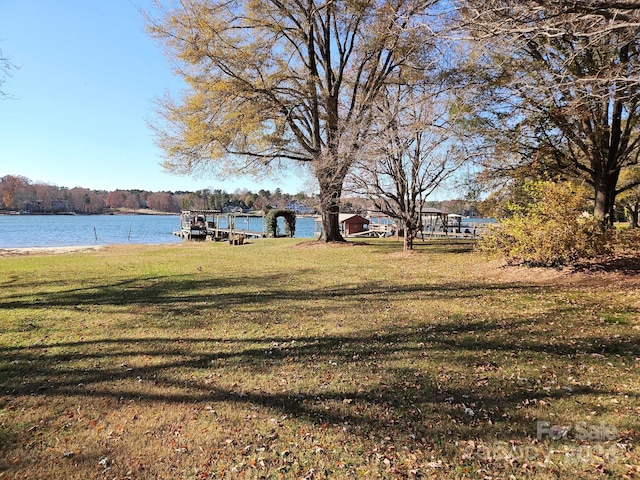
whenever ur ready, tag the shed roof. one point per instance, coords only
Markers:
(436, 211)
(431, 211)
(345, 217)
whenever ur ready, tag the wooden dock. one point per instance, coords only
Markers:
(206, 225)
(375, 230)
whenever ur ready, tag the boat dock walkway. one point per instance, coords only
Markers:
(216, 226)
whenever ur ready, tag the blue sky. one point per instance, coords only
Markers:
(83, 95)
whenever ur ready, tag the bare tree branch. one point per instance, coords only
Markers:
(408, 156)
(559, 87)
(6, 71)
(273, 81)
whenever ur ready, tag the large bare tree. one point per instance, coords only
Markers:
(277, 81)
(560, 87)
(409, 155)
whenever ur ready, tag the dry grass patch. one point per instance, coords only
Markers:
(272, 360)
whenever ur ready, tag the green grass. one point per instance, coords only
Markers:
(285, 360)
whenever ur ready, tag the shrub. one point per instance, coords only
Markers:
(552, 230)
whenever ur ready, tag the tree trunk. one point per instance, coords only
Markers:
(330, 203)
(408, 241)
(605, 197)
(633, 211)
(601, 207)
(409, 235)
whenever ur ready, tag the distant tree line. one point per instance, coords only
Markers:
(388, 99)
(19, 194)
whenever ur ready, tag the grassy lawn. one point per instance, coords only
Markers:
(282, 359)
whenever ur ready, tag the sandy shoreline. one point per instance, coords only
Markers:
(5, 252)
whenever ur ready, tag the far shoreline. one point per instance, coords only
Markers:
(119, 211)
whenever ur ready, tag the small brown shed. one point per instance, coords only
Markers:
(351, 224)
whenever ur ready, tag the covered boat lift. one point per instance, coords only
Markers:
(214, 225)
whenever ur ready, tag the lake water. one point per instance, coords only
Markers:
(18, 231)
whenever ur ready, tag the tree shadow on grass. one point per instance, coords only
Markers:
(418, 384)
(628, 264)
(187, 296)
(426, 246)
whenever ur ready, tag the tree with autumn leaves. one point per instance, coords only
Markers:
(548, 86)
(273, 82)
(557, 94)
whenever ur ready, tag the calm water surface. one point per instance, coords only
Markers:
(18, 231)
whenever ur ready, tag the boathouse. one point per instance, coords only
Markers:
(213, 225)
(352, 224)
(436, 222)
